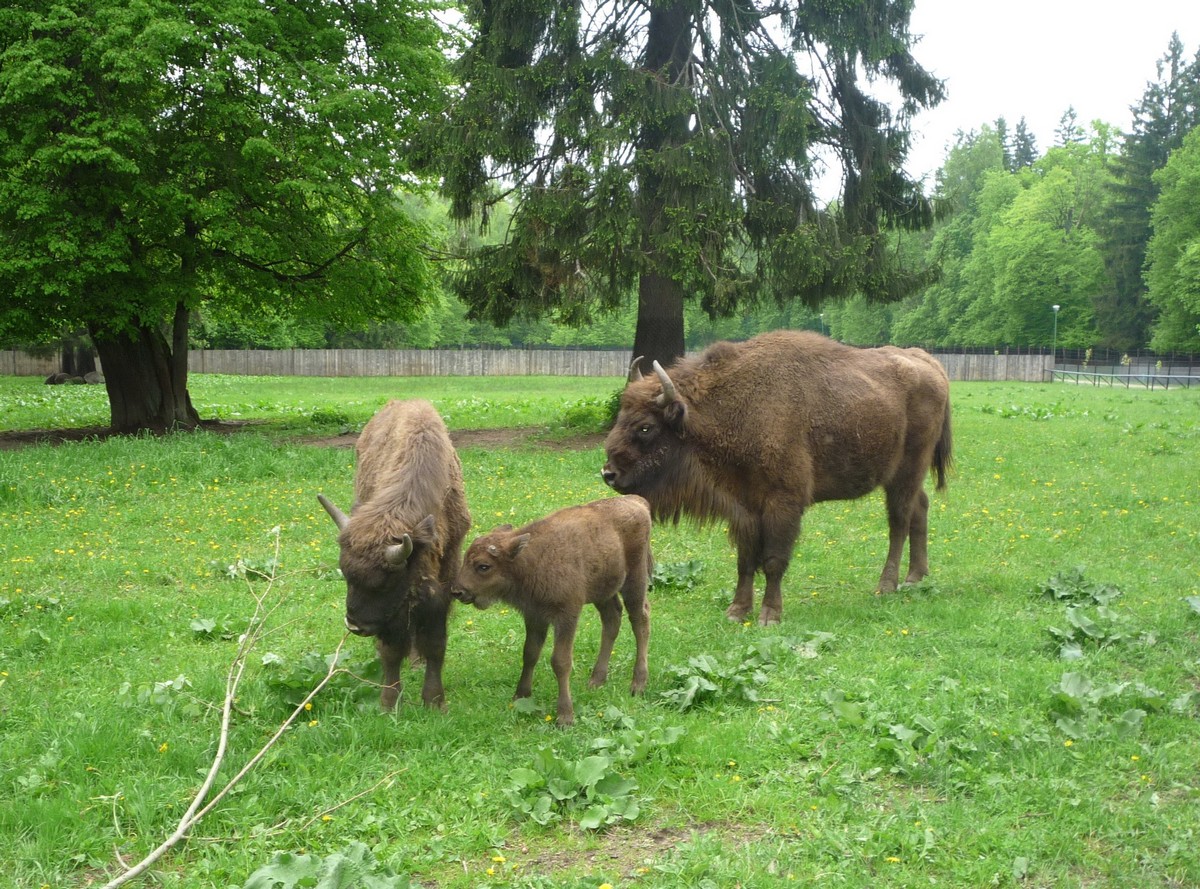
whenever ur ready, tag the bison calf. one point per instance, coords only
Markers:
(550, 569)
(401, 543)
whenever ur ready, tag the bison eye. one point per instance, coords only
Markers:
(483, 568)
(645, 430)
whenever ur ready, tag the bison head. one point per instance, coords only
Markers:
(381, 577)
(647, 436)
(487, 569)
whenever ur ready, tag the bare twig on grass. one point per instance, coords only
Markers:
(198, 809)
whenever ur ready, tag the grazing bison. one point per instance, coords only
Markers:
(550, 569)
(401, 544)
(756, 432)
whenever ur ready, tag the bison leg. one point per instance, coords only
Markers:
(639, 619)
(535, 638)
(747, 543)
(610, 625)
(918, 540)
(901, 504)
(779, 538)
(429, 631)
(391, 655)
(560, 660)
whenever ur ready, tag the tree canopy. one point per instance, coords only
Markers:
(673, 150)
(158, 156)
(1173, 254)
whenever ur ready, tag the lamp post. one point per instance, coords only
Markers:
(821, 321)
(1054, 347)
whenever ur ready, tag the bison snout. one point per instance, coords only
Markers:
(357, 629)
(609, 476)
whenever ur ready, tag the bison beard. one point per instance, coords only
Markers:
(756, 432)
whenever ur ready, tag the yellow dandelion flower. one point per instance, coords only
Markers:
(162, 748)
(1068, 743)
(498, 858)
(892, 859)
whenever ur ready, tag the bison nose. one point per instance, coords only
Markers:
(357, 629)
(609, 476)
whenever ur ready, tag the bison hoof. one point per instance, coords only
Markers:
(565, 719)
(769, 616)
(736, 612)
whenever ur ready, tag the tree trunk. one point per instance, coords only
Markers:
(669, 38)
(146, 379)
(659, 333)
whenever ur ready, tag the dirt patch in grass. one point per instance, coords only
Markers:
(511, 437)
(622, 852)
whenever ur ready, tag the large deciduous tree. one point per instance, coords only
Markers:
(671, 149)
(155, 155)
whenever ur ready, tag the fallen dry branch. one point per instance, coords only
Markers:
(198, 808)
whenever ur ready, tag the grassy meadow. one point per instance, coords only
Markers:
(1027, 716)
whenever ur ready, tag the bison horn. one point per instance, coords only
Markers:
(339, 517)
(668, 393)
(397, 554)
(635, 372)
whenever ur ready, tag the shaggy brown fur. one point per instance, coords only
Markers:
(402, 542)
(550, 569)
(756, 432)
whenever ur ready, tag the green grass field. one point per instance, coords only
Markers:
(1028, 716)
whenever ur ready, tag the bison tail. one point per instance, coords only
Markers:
(943, 456)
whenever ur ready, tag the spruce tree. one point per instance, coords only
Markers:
(674, 150)
(1168, 110)
(1025, 152)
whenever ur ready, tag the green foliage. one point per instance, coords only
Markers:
(589, 791)
(355, 868)
(1083, 709)
(1173, 254)
(705, 680)
(1071, 586)
(676, 575)
(1089, 618)
(592, 414)
(292, 679)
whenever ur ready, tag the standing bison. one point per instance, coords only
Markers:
(756, 432)
(549, 569)
(401, 545)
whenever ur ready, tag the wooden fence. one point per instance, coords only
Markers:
(488, 362)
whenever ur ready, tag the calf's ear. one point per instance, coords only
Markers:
(517, 544)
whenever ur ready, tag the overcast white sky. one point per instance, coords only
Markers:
(1033, 58)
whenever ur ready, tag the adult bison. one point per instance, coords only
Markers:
(401, 545)
(756, 432)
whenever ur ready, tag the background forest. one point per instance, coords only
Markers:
(1092, 242)
(1104, 224)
